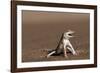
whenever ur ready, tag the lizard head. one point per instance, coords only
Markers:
(68, 34)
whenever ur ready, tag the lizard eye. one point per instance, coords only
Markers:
(70, 34)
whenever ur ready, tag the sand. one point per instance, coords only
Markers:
(40, 55)
(41, 32)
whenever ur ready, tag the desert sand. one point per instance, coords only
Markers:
(41, 31)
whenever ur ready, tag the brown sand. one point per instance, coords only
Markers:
(41, 32)
(41, 56)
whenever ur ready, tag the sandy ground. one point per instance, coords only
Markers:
(40, 55)
(41, 32)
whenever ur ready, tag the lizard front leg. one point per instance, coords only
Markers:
(72, 49)
(65, 52)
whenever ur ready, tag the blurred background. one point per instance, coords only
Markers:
(43, 30)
